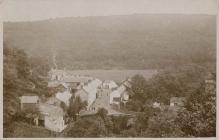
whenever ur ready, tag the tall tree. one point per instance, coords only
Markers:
(75, 106)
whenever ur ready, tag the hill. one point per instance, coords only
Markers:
(139, 41)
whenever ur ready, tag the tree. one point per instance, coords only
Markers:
(31, 114)
(63, 106)
(75, 106)
(88, 127)
(162, 125)
(102, 112)
(199, 118)
(23, 67)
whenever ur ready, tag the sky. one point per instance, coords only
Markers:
(29, 10)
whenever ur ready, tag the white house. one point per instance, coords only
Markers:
(121, 93)
(64, 96)
(89, 91)
(109, 84)
(118, 94)
(52, 117)
(68, 80)
(28, 101)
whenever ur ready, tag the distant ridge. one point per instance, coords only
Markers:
(134, 14)
(138, 41)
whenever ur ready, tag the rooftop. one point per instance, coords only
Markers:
(76, 79)
(51, 110)
(29, 99)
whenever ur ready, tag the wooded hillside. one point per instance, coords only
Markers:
(141, 41)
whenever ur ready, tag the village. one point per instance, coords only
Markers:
(97, 94)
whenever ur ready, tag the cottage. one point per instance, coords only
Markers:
(127, 83)
(177, 101)
(109, 84)
(102, 100)
(115, 95)
(120, 94)
(53, 101)
(28, 102)
(52, 117)
(64, 96)
(89, 91)
(57, 77)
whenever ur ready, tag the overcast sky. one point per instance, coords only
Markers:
(27, 10)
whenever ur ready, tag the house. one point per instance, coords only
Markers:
(57, 87)
(127, 83)
(120, 94)
(177, 101)
(210, 83)
(102, 100)
(53, 101)
(56, 75)
(124, 90)
(64, 96)
(28, 102)
(51, 117)
(89, 91)
(62, 77)
(115, 95)
(53, 84)
(77, 79)
(109, 84)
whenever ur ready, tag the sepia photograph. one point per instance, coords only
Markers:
(112, 69)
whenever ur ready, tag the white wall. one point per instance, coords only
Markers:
(54, 123)
(113, 95)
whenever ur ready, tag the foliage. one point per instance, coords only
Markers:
(139, 41)
(162, 125)
(199, 118)
(119, 124)
(63, 106)
(20, 129)
(172, 82)
(75, 106)
(88, 127)
(102, 112)
(18, 80)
